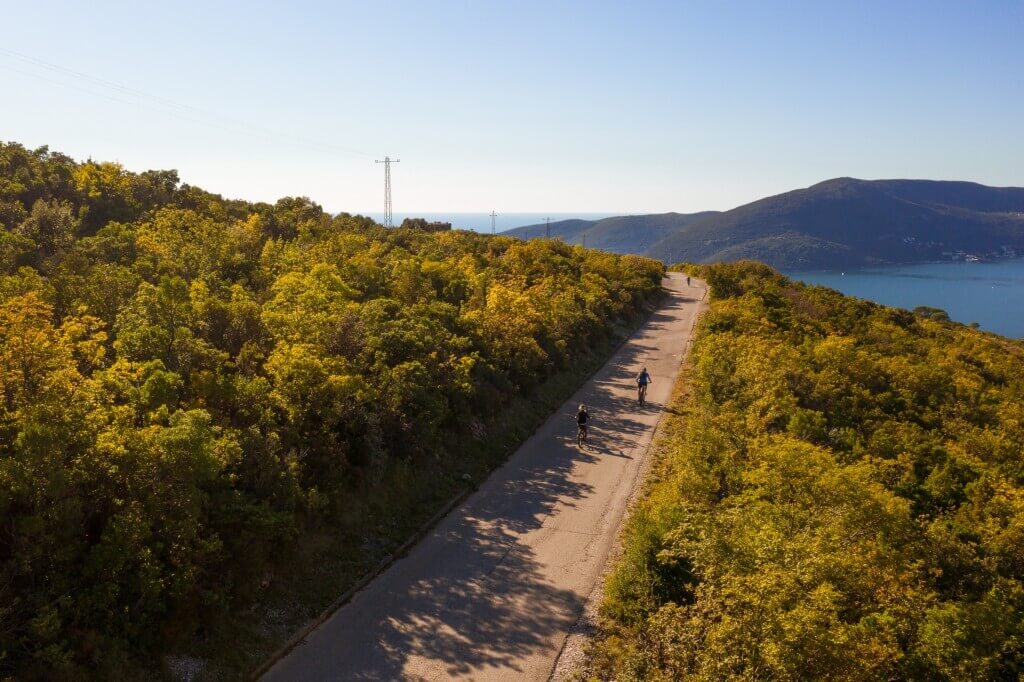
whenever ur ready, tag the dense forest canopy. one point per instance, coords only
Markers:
(840, 497)
(188, 381)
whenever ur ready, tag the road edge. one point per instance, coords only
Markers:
(585, 627)
(300, 636)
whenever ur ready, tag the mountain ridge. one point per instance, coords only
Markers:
(614, 233)
(840, 222)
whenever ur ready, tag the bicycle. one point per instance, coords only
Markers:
(581, 434)
(641, 393)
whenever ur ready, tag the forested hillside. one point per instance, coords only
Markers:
(188, 384)
(839, 496)
(847, 222)
(634, 234)
(843, 222)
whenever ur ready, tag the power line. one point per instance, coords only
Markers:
(387, 188)
(163, 105)
(102, 82)
(98, 94)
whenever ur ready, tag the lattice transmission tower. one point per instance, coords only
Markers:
(387, 188)
(493, 216)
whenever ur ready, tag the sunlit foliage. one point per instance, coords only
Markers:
(842, 497)
(187, 382)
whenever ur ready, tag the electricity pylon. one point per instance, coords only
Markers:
(387, 188)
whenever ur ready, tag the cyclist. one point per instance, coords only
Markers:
(582, 417)
(642, 379)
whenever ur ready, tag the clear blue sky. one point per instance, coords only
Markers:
(522, 106)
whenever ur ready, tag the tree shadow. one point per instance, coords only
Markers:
(479, 598)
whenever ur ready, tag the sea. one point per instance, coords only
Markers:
(989, 293)
(481, 222)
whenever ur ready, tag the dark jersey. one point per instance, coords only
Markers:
(582, 417)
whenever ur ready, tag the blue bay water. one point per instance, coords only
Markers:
(481, 222)
(991, 294)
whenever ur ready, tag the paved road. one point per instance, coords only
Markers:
(492, 591)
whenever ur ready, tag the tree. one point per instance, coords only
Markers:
(51, 226)
(107, 195)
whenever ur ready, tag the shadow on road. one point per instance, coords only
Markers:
(508, 609)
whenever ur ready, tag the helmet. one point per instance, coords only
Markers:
(582, 408)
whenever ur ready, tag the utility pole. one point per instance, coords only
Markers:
(584, 240)
(547, 228)
(387, 188)
(493, 215)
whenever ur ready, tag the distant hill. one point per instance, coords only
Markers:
(621, 234)
(849, 222)
(843, 222)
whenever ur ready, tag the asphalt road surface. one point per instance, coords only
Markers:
(493, 590)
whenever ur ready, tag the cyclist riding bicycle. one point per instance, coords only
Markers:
(642, 380)
(582, 417)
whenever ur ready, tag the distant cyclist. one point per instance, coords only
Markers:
(582, 417)
(642, 379)
(687, 281)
